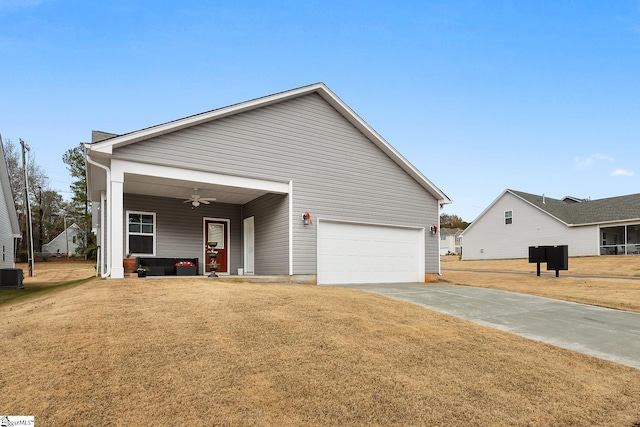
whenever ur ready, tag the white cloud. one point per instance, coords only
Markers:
(586, 163)
(581, 163)
(622, 172)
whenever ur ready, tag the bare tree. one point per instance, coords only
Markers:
(452, 221)
(39, 193)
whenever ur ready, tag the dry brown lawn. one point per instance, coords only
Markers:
(56, 272)
(621, 292)
(207, 352)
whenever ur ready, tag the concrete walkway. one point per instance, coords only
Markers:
(601, 332)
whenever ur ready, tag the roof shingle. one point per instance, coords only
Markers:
(582, 211)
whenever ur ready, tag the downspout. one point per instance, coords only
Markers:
(106, 273)
(103, 212)
(438, 237)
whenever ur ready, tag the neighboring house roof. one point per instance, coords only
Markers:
(105, 144)
(450, 231)
(71, 230)
(7, 194)
(572, 211)
(582, 211)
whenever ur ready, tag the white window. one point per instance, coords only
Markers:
(141, 233)
(508, 217)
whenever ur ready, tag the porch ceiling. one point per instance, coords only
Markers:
(178, 189)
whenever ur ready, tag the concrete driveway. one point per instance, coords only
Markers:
(601, 332)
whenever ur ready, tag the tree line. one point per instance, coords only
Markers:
(452, 221)
(50, 212)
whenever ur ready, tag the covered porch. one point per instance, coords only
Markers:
(150, 211)
(620, 240)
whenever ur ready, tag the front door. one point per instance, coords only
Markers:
(216, 231)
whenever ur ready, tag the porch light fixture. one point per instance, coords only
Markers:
(306, 218)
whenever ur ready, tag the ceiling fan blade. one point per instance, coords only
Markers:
(188, 201)
(209, 199)
(206, 202)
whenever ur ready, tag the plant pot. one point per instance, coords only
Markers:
(129, 265)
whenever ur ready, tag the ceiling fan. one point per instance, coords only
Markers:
(196, 200)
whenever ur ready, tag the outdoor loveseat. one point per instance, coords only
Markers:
(167, 266)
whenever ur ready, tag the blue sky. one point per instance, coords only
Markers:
(536, 96)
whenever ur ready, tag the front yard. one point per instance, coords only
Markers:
(205, 352)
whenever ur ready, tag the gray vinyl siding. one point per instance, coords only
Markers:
(337, 172)
(179, 229)
(6, 234)
(271, 213)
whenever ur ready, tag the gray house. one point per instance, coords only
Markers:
(517, 220)
(9, 226)
(293, 184)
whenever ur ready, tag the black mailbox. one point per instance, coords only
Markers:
(537, 254)
(558, 258)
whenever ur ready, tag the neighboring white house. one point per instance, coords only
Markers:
(293, 183)
(9, 226)
(517, 220)
(450, 241)
(64, 243)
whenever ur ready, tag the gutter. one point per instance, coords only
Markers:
(87, 157)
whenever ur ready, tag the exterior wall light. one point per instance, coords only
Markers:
(306, 218)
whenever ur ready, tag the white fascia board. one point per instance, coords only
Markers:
(484, 211)
(516, 196)
(7, 195)
(120, 167)
(107, 146)
(496, 201)
(619, 222)
(377, 139)
(540, 209)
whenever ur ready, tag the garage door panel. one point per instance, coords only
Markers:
(364, 253)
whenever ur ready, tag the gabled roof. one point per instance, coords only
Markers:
(7, 194)
(72, 230)
(583, 211)
(451, 231)
(106, 146)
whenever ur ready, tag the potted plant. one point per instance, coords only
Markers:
(185, 268)
(142, 271)
(129, 264)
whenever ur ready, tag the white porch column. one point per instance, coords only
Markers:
(115, 233)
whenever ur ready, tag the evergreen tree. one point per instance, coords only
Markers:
(79, 206)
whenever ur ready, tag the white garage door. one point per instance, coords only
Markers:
(365, 253)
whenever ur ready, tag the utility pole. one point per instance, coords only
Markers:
(40, 222)
(66, 234)
(25, 148)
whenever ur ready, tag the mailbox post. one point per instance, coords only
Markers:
(556, 257)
